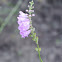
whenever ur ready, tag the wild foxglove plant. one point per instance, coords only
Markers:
(25, 26)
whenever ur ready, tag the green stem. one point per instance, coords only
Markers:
(33, 35)
(38, 48)
(39, 53)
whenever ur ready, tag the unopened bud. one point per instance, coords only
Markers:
(26, 10)
(31, 10)
(29, 15)
(33, 14)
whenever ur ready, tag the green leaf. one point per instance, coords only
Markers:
(39, 49)
(36, 49)
(36, 40)
(31, 3)
(34, 35)
(33, 29)
(31, 35)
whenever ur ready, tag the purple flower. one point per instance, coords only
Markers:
(24, 24)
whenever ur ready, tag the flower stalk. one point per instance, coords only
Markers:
(26, 28)
(33, 34)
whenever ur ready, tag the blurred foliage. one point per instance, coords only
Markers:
(12, 15)
(12, 3)
(58, 41)
(1, 21)
(4, 11)
(39, 0)
(3, 2)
